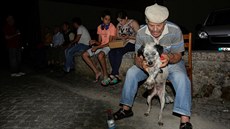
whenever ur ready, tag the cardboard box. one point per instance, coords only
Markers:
(117, 44)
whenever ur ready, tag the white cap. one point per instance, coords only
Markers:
(156, 13)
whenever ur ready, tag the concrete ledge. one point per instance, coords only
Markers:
(82, 68)
(211, 71)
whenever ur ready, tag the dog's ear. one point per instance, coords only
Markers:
(140, 51)
(159, 49)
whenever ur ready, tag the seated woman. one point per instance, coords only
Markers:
(126, 30)
(106, 32)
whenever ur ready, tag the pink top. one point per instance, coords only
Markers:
(106, 33)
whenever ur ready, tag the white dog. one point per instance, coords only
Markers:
(156, 81)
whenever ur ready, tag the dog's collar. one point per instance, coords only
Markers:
(161, 71)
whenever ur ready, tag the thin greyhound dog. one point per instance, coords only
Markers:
(156, 81)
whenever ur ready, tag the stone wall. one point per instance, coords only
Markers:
(211, 72)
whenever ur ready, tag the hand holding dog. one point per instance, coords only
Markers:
(138, 61)
(164, 59)
(94, 49)
(141, 63)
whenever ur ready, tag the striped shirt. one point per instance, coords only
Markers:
(171, 38)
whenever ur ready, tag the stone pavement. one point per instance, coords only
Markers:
(51, 100)
(34, 102)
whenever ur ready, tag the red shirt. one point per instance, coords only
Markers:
(14, 41)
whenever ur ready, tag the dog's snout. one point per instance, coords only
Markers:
(150, 63)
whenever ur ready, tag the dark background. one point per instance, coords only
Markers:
(31, 16)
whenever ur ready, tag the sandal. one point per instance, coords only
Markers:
(105, 82)
(186, 125)
(121, 113)
(114, 80)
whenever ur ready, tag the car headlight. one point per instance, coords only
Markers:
(203, 35)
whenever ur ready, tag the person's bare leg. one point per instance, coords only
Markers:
(101, 58)
(89, 62)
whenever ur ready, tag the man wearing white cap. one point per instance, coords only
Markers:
(168, 35)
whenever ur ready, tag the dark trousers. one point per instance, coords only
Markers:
(115, 57)
(15, 59)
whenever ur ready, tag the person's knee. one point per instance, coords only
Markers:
(131, 73)
(101, 55)
(85, 54)
(182, 81)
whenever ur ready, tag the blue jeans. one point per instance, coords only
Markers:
(115, 57)
(179, 79)
(71, 52)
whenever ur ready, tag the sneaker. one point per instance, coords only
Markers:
(121, 113)
(21, 73)
(186, 125)
(15, 75)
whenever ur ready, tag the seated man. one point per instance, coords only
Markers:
(168, 35)
(79, 44)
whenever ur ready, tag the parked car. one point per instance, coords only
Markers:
(215, 31)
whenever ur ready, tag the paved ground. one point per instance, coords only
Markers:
(50, 100)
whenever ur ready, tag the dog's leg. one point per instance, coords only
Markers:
(149, 82)
(149, 100)
(161, 95)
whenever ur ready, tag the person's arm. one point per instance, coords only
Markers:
(7, 36)
(170, 58)
(175, 54)
(95, 43)
(174, 58)
(111, 38)
(139, 61)
(76, 39)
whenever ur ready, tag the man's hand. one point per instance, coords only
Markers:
(139, 60)
(141, 63)
(92, 42)
(94, 49)
(164, 60)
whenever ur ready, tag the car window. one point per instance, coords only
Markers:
(219, 18)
